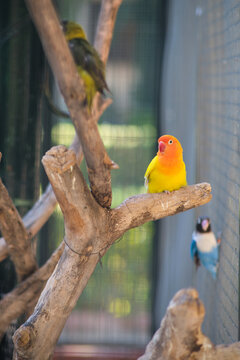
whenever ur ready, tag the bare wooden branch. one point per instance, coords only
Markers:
(139, 209)
(81, 213)
(180, 335)
(90, 230)
(71, 86)
(78, 206)
(52, 309)
(44, 207)
(106, 23)
(16, 236)
(27, 292)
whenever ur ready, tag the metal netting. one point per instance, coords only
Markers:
(201, 105)
(115, 307)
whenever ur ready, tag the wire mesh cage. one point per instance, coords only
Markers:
(115, 307)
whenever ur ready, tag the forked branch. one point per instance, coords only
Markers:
(98, 162)
(44, 207)
(90, 230)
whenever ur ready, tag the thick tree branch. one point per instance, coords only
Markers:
(16, 236)
(71, 86)
(78, 206)
(44, 207)
(27, 292)
(82, 216)
(180, 335)
(139, 209)
(90, 229)
(54, 306)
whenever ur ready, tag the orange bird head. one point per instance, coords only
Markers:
(169, 147)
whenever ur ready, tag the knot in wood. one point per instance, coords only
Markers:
(22, 338)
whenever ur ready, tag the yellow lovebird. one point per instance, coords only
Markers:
(90, 66)
(166, 171)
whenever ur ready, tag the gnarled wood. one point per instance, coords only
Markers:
(16, 236)
(82, 215)
(26, 293)
(44, 207)
(71, 86)
(180, 335)
(90, 229)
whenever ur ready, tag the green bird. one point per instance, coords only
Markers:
(90, 66)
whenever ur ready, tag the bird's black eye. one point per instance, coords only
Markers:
(170, 142)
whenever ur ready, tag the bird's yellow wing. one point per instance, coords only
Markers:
(150, 168)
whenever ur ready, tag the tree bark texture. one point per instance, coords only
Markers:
(90, 226)
(41, 211)
(180, 335)
(90, 230)
(45, 206)
(16, 236)
(72, 89)
(26, 293)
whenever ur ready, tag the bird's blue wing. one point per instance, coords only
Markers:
(193, 249)
(210, 260)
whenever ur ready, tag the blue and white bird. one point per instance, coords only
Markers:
(204, 246)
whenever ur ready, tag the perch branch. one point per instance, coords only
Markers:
(90, 229)
(139, 209)
(180, 335)
(27, 292)
(72, 88)
(44, 207)
(16, 236)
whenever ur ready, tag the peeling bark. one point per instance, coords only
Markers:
(180, 335)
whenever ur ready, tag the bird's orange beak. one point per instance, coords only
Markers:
(161, 146)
